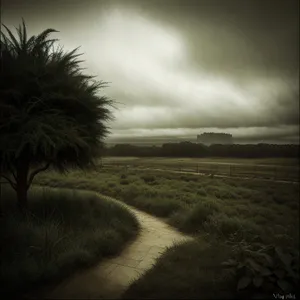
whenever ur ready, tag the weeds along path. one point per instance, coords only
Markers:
(112, 277)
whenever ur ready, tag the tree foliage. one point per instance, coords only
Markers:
(51, 113)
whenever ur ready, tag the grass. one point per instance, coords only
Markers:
(66, 230)
(193, 204)
(188, 271)
(196, 270)
(219, 209)
(267, 168)
(247, 161)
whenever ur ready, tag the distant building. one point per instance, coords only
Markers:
(209, 138)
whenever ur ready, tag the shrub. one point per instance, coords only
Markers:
(158, 206)
(124, 181)
(221, 224)
(178, 218)
(184, 178)
(111, 184)
(201, 192)
(148, 178)
(263, 269)
(196, 216)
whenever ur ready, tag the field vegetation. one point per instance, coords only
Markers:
(284, 169)
(225, 216)
(64, 231)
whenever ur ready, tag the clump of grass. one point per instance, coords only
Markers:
(224, 226)
(185, 178)
(124, 181)
(158, 206)
(111, 184)
(188, 198)
(192, 219)
(201, 192)
(65, 230)
(192, 270)
(148, 178)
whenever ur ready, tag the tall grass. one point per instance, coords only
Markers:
(214, 210)
(189, 202)
(187, 271)
(66, 230)
(194, 218)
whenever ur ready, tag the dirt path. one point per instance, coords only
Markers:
(113, 276)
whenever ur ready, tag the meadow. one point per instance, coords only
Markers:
(63, 232)
(229, 218)
(244, 161)
(265, 168)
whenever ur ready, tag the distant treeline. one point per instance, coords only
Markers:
(188, 149)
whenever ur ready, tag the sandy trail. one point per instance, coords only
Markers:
(110, 278)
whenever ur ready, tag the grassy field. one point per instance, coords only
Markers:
(175, 197)
(188, 271)
(196, 270)
(222, 213)
(267, 168)
(243, 161)
(66, 230)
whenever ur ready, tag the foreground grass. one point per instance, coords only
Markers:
(188, 271)
(65, 231)
(196, 270)
(224, 209)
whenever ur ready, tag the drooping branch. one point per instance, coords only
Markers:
(34, 173)
(13, 184)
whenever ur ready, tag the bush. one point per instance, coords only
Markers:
(148, 178)
(197, 215)
(263, 270)
(161, 207)
(225, 226)
(124, 181)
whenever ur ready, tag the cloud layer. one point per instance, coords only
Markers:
(180, 67)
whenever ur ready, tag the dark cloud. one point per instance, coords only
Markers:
(234, 36)
(235, 62)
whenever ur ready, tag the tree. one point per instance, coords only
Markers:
(51, 114)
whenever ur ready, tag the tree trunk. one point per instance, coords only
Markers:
(21, 185)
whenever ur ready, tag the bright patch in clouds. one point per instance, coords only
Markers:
(150, 67)
(134, 46)
(146, 63)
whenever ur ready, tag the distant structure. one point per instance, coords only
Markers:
(209, 138)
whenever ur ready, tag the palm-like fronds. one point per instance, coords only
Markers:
(49, 110)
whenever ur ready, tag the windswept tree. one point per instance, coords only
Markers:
(51, 114)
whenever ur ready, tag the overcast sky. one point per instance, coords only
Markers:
(182, 67)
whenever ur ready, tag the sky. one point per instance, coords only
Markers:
(177, 68)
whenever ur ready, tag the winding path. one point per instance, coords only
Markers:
(111, 278)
